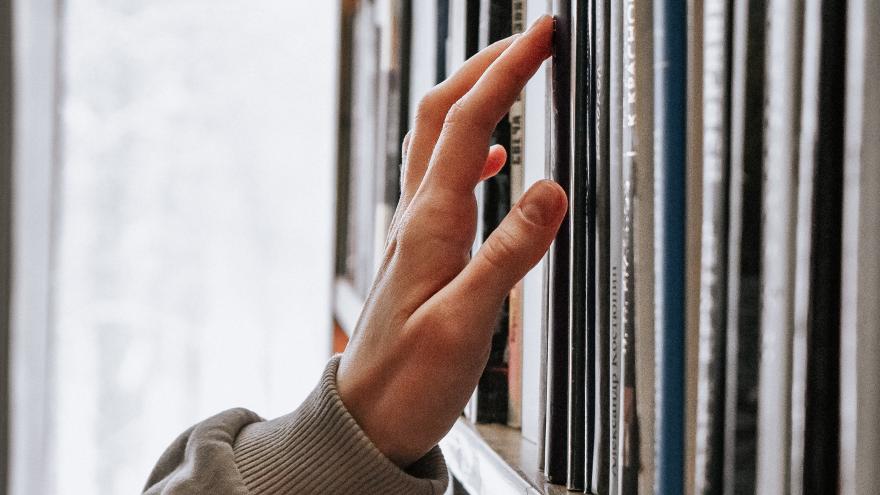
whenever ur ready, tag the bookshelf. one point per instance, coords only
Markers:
(708, 312)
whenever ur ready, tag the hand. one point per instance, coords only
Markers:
(425, 333)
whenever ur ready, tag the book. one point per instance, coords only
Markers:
(643, 246)
(670, 179)
(629, 426)
(860, 314)
(713, 275)
(516, 120)
(362, 194)
(744, 251)
(558, 373)
(602, 424)
(392, 20)
(815, 336)
(615, 228)
(442, 30)
(581, 257)
(534, 300)
(491, 404)
(783, 59)
(422, 59)
(693, 223)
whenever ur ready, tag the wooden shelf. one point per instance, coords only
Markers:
(494, 459)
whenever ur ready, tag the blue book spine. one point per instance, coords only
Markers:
(670, 56)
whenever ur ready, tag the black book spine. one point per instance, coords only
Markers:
(492, 391)
(602, 424)
(712, 331)
(744, 241)
(815, 383)
(581, 288)
(442, 38)
(558, 326)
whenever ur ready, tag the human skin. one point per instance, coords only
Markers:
(425, 332)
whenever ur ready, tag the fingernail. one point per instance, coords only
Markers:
(541, 205)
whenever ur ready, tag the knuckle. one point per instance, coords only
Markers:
(462, 116)
(430, 108)
(501, 249)
(457, 114)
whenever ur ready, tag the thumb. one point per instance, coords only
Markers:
(511, 251)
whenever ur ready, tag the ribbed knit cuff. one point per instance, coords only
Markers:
(319, 448)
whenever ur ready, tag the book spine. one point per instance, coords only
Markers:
(784, 36)
(581, 281)
(629, 433)
(643, 247)
(493, 205)
(815, 387)
(615, 229)
(602, 424)
(693, 226)
(516, 119)
(744, 235)
(713, 300)
(555, 454)
(860, 315)
(670, 77)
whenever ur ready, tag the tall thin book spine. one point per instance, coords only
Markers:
(492, 403)
(815, 384)
(582, 283)
(516, 120)
(629, 440)
(784, 38)
(713, 277)
(744, 252)
(602, 424)
(615, 228)
(643, 247)
(670, 78)
(579, 224)
(860, 315)
(556, 435)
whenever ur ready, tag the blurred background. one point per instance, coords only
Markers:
(168, 224)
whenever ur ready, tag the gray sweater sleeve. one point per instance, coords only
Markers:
(319, 448)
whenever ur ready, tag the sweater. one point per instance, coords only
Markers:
(317, 449)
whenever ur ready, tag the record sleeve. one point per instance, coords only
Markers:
(558, 373)
(615, 188)
(860, 315)
(744, 246)
(815, 384)
(602, 424)
(713, 277)
(670, 161)
(581, 283)
(782, 119)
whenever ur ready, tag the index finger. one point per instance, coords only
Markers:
(463, 145)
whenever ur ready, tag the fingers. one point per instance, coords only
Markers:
(461, 148)
(494, 162)
(508, 254)
(432, 110)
